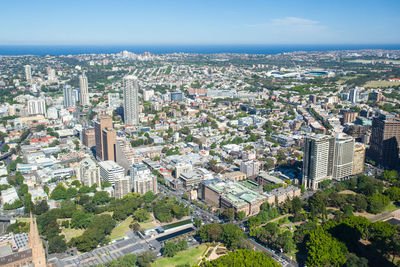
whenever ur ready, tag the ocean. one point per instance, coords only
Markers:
(57, 50)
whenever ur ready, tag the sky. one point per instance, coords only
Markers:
(184, 22)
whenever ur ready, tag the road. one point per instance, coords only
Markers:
(282, 259)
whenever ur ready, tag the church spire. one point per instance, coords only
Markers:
(35, 244)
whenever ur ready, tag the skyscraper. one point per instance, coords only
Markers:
(36, 106)
(68, 96)
(99, 125)
(109, 135)
(28, 73)
(343, 159)
(88, 172)
(83, 86)
(385, 140)
(142, 179)
(354, 95)
(131, 101)
(318, 160)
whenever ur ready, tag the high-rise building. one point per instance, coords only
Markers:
(131, 101)
(354, 95)
(28, 73)
(176, 96)
(99, 125)
(147, 94)
(51, 74)
(84, 90)
(110, 171)
(122, 187)
(88, 172)
(69, 98)
(36, 106)
(109, 135)
(318, 160)
(114, 100)
(385, 140)
(89, 137)
(125, 156)
(251, 168)
(349, 116)
(142, 179)
(358, 158)
(343, 157)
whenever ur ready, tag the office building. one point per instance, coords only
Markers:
(131, 101)
(230, 194)
(114, 100)
(122, 187)
(251, 168)
(349, 116)
(28, 73)
(354, 95)
(176, 96)
(84, 90)
(37, 107)
(109, 135)
(385, 139)
(69, 98)
(99, 125)
(51, 74)
(147, 94)
(318, 160)
(125, 156)
(358, 158)
(89, 138)
(142, 179)
(343, 157)
(88, 173)
(110, 171)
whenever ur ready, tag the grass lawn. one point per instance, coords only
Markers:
(390, 207)
(147, 225)
(347, 192)
(190, 256)
(121, 229)
(70, 233)
(382, 83)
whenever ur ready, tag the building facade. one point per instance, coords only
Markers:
(84, 90)
(99, 125)
(110, 171)
(88, 173)
(37, 107)
(131, 100)
(385, 141)
(142, 179)
(358, 158)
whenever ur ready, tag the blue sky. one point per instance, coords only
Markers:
(58, 22)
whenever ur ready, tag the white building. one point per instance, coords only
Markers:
(142, 179)
(9, 196)
(354, 95)
(343, 159)
(147, 94)
(110, 171)
(88, 173)
(84, 90)
(114, 100)
(28, 73)
(251, 168)
(36, 107)
(131, 101)
(52, 113)
(317, 160)
(122, 187)
(69, 98)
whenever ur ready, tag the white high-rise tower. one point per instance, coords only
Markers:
(131, 101)
(28, 73)
(83, 86)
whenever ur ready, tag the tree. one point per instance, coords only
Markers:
(146, 258)
(41, 207)
(59, 192)
(393, 193)
(210, 232)
(28, 204)
(5, 148)
(135, 226)
(57, 244)
(101, 197)
(377, 203)
(354, 261)
(81, 219)
(240, 215)
(197, 223)
(169, 249)
(141, 215)
(228, 214)
(149, 196)
(324, 250)
(230, 235)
